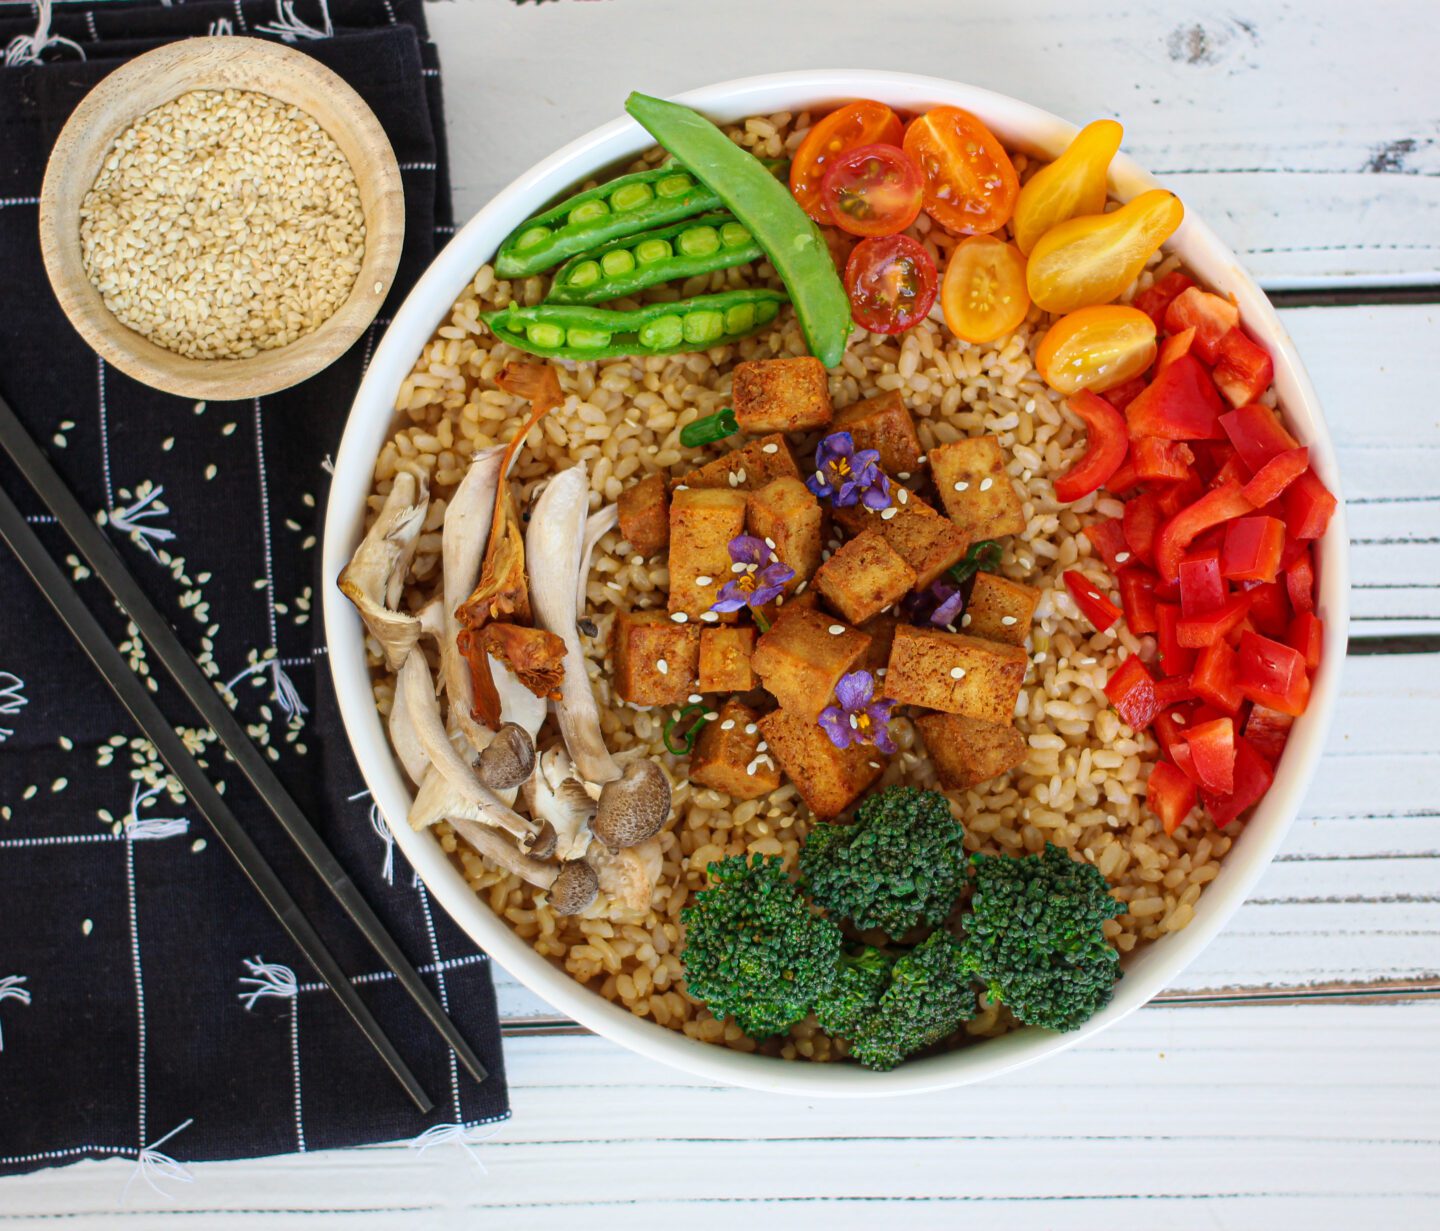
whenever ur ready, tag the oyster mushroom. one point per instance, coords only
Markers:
(634, 808)
(575, 888)
(404, 738)
(504, 854)
(553, 546)
(508, 759)
(627, 877)
(598, 525)
(556, 795)
(375, 576)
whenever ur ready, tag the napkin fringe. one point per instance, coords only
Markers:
(29, 48)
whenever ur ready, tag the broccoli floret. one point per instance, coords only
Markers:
(929, 996)
(754, 950)
(1034, 937)
(901, 864)
(862, 980)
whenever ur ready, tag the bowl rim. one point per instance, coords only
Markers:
(1020, 125)
(378, 180)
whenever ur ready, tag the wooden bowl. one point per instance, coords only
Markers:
(219, 64)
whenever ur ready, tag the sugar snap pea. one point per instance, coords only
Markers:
(766, 209)
(633, 262)
(623, 206)
(580, 331)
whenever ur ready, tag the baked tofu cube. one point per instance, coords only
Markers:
(977, 493)
(1000, 609)
(645, 515)
(882, 423)
(926, 541)
(747, 468)
(967, 751)
(656, 660)
(803, 656)
(788, 517)
(727, 755)
(781, 395)
(725, 659)
(828, 778)
(955, 673)
(881, 631)
(702, 523)
(864, 577)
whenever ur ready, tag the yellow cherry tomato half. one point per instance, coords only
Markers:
(1096, 349)
(983, 295)
(1072, 185)
(1090, 260)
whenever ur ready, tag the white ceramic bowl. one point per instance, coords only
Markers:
(1020, 126)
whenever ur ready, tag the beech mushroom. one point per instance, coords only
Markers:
(628, 877)
(634, 808)
(508, 760)
(375, 577)
(504, 854)
(575, 887)
(556, 795)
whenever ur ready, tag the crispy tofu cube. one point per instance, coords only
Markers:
(806, 599)
(977, 493)
(656, 660)
(645, 514)
(1000, 609)
(864, 577)
(702, 523)
(881, 631)
(747, 468)
(828, 778)
(926, 541)
(803, 656)
(882, 423)
(725, 659)
(785, 514)
(727, 755)
(781, 395)
(955, 673)
(968, 751)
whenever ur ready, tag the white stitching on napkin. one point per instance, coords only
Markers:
(12, 699)
(152, 1165)
(272, 979)
(30, 48)
(10, 989)
(134, 519)
(289, 26)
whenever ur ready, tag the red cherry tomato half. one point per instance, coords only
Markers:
(892, 283)
(863, 122)
(873, 190)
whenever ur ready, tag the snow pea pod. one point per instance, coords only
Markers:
(767, 210)
(580, 331)
(633, 262)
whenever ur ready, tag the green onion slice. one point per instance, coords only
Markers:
(708, 430)
(687, 741)
(983, 557)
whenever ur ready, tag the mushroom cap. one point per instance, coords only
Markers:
(542, 846)
(575, 888)
(634, 807)
(508, 760)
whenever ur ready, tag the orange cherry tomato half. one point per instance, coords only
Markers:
(873, 190)
(859, 123)
(970, 182)
(891, 281)
(1096, 348)
(984, 295)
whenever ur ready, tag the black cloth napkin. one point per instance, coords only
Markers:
(150, 1007)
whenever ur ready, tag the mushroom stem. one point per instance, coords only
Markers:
(599, 524)
(375, 577)
(504, 854)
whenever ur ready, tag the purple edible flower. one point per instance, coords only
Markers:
(940, 604)
(845, 477)
(858, 719)
(759, 576)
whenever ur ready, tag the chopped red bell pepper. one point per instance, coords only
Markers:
(1094, 606)
(1232, 470)
(1175, 659)
(1216, 506)
(1122, 395)
(1212, 751)
(1198, 631)
(1107, 537)
(1155, 298)
(1172, 348)
(1308, 506)
(1272, 674)
(1181, 495)
(1253, 546)
(1307, 635)
(1253, 777)
(1170, 795)
(1143, 519)
(1269, 608)
(1300, 583)
(1172, 690)
(1201, 589)
(1276, 475)
(1213, 677)
(1170, 724)
(1257, 434)
(1243, 369)
(1123, 481)
(1181, 403)
(1132, 692)
(1158, 460)
(1268, 730)
(1137, 597)
(1104, 451)
(1210, 316)
(1185, 761)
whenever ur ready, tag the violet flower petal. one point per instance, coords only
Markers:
(836, 724)
(855, 690)
(747, 549)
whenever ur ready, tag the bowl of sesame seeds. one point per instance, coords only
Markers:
(222, 217)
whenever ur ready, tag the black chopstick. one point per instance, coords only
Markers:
(105, 562)
(86, 630)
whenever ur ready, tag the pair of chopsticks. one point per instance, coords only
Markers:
(106, 564)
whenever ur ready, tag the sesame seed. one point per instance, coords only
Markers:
(1180, 718)
(732, 480)
(903, 495)
(961, 486)
(965, 620)
(740, 475)
(904, 474)
(228, 430)
(957, 673)
(750, 728)
(682, 487)
(770, 448)
(59, 785)
(739, 566)
(882, 673)
(1008, 620)
(679, 617)
(637, 559)
(924, 457)
(167, 444)
(694, 698)
(704, 581)
(87, 927)
(770, 543)
(819, 476)
(986, 484)
(836, 629)
(1121, 557)
(1040, 657)
(874, 764)
(66, 743)
(889, 513)
(662, 666)
(854, 723)
(710, 616)
(728, 725)
(711, 715)
(753, 766)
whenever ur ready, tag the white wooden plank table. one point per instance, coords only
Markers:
(1310, 138)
